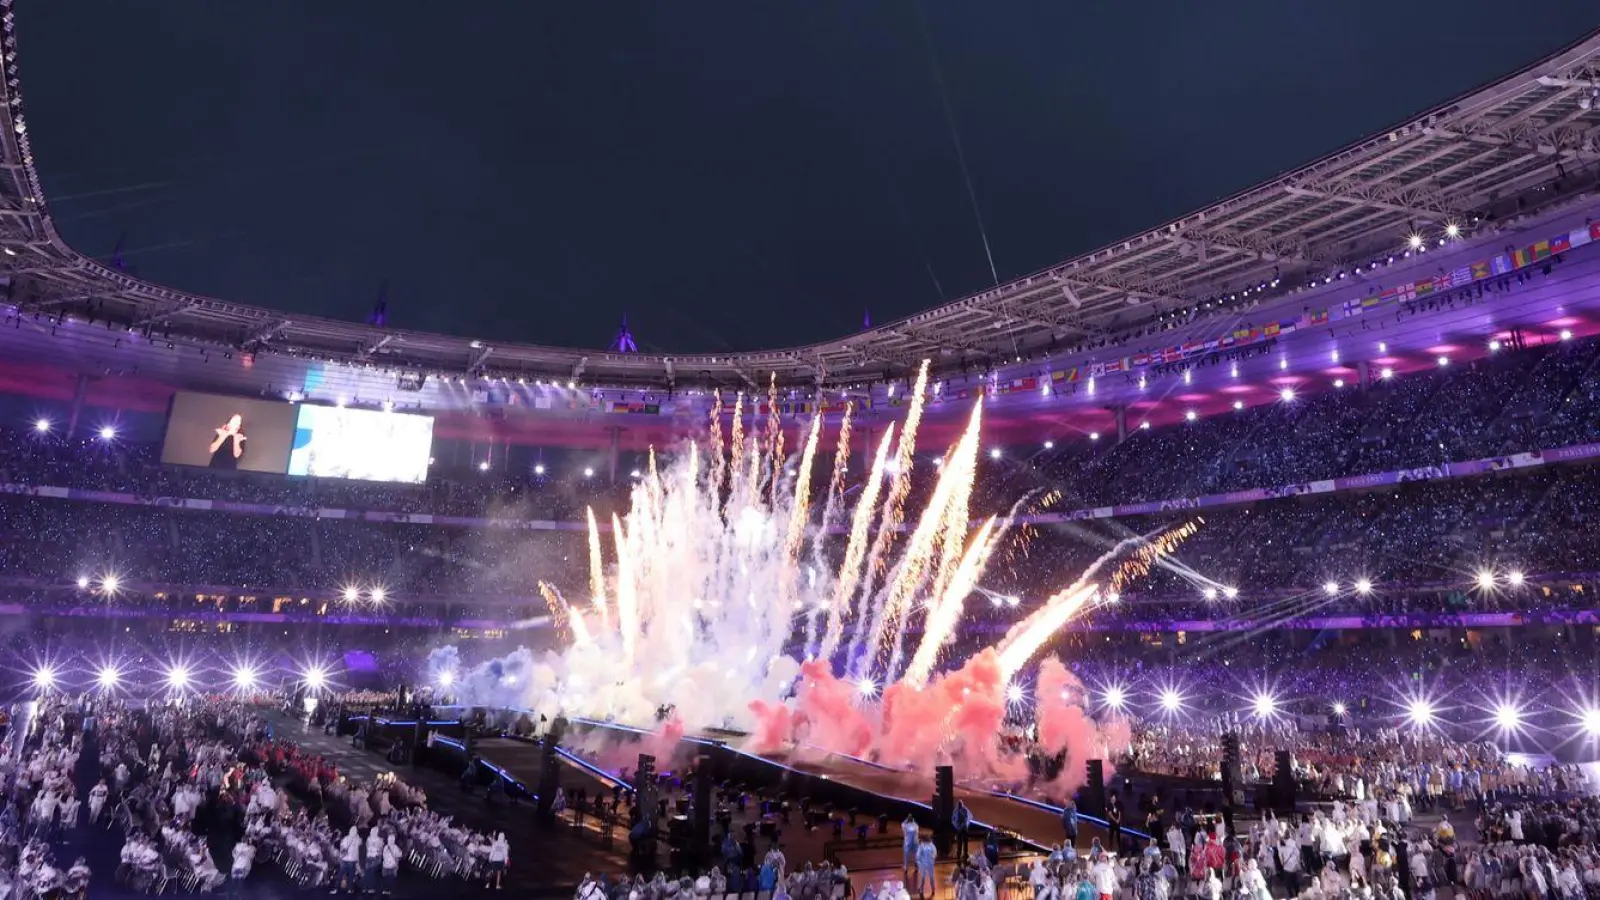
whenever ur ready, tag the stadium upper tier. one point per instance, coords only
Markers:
(1486, 176)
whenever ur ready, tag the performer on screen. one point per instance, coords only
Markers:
(228, 446)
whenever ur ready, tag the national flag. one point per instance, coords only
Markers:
(1500, 264)
(1443, 282)
(1226, 341)
(1521, 258)
(1461, 276)
(1423, 288)
(1480, 271)
(1594, 231)
(1540, 250)
(1287, 326)
(1270, 330)
(1320, 317)
(1141, 359)
(1561, 243)
(1370, 302)
(1406, 292)
(1353, 307)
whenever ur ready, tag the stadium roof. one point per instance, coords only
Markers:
(1500, 151)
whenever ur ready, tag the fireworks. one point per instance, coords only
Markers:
(718, 573)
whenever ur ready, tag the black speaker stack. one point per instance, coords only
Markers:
(944, 809)
(550, 769)
(1094, 797)
(1284, 796)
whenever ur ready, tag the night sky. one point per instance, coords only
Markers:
(731, 175)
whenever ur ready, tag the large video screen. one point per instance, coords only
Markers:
(229, 433)
(365, 444)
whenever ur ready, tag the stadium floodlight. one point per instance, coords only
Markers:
(1145, 425)
(1171, 700)
(1339, 709)
(994, 452)
(1013, 693)
(1414, 241)
(1444, 361)
(351, 594)
(1114, 697)
(1338, 382)
(1386, 373)
(588, 472)
(446, 678)
(483, 466)
(1232, 593)
(1420, 712)
(866, 687)
(538, 469)
(1287, 395)
(1049, 445)
(244, 678)
(1191, 415)
(1514, 577)
(1265, 705)
(1363, 586)
(110, 583)
(42, 426)
(108, 433)
(378, 595)
(44, 677)
(108, 677)
(1331, 588)
(1452, 230)
(1094, 435)
(316, 678)
(1566, 334)
(178, 677)
(1590, 720)
(1507, 717)
(1494, 346)
(1486, 580)
(83, 582)
(637, 474)
(1209, 593)
(1238, 405)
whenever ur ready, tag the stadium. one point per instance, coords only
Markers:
(1280, 509)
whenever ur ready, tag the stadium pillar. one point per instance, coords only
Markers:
(611, 452)
(1364, 373)
(1122, 422)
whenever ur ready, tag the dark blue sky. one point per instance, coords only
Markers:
(730, 174)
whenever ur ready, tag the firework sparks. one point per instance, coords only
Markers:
(856, 549)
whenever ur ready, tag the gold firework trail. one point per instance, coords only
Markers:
(597, 572)
(856, 549)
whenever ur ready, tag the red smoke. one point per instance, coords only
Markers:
(955, 719)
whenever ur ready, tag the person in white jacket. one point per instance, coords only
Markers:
(391, 865)
(499, 855)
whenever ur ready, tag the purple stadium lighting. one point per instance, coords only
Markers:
(42, 426)
(108, 677)
(108, 433)
(245, 678)
(44, 677)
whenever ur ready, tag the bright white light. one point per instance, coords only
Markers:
(1115, 697)
(41, 425)
(1444, 361)
(1383, 346)
(483, 466)
(588, 472)
(1414, 241)
(1283, 364)
(1515, 578)
(377, 595)
(352, 594)
(1508, 717)
(108, 433)
(866, 687)
(1339, 709)
(1566, 334)
(1287, 395)
(110, 583)
(1452, 231)
(1191, 415)
(1590, 719)
(1094, 435)
(1012, 600)
(316, 678)
(244, 678)
(1113, 597)
(1485, 579)
(994, 453)
(636, 474)
(447, 678)
(538, 469)
(108, 677)
(1363, 586)
(1420, 712)
(1209, 593)
(1494, 346)
(1331, 588)
(1049, 445)
(1144, 426)
(1238, 404)
(83, 582)
(1013, 693)
(178, 678)
(1265, 706)
(1171, 700)
(1386, 373)
(1338, 382)
(1232, 593)
(44, 678)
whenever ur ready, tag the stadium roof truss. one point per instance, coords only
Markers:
(1503, 144)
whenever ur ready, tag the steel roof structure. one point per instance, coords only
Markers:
(1502, 150)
